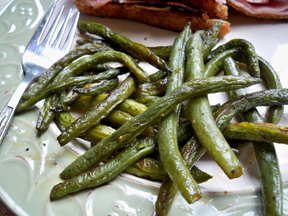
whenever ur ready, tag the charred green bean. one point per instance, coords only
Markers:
(137, 50)
(247, 47)
(107, 85)
(260, 132)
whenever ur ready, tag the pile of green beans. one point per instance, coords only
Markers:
(158, 126)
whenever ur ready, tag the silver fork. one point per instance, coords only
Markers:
(38, 56)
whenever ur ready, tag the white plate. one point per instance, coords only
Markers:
(30, 164)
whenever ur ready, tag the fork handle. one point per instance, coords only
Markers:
(8, 112)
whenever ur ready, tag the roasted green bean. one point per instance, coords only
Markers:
(243, 103)
(107, 85)
(95, 134)
(260, 132)
(85, 103)
(210, 38)
(201, 116)
(137, 50)
(46, 115)
(157, 75)
(147, 100)
(161, 51)
(215, 65)
(273, 82)
(247, 47)
(153, 169)
(132, 107)
(157, 88)
(66, 103)
(118, 117)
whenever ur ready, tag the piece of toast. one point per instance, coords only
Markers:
(172, 20)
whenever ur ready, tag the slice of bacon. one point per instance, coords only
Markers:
(268, 9)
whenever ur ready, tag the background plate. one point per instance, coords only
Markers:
(30, 164)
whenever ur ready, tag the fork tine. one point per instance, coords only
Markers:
(58, 39)
(69, 40)
(40, 30)
(49, 35)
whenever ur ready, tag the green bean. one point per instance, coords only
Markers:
(46, 114)
(202, 119)
(147, 175)
(107, 85)
(107, 172)
(271, 183)
(85, 103)
(186, 131)
(64, 84)
(147, 100)
(252, 57)
(241, 104)
(129, 131)
(157, 75)
(166, 194)
(137, 50)
(191, 153)
(66, 103)
(273, 81)
(88, 62)
(215, 65)
(98, 112)
(118, 117)
(132, 107)
(101, 67)
(51, 72)
(150, 165)
(161, 51)
(199, 175)
(153, 169)
(271, 179)
(167, 129)
(260, 132)
(95, 134)
(63, 119)
(93, 41)
(210, 38)
(185, 109)
(157, 88)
